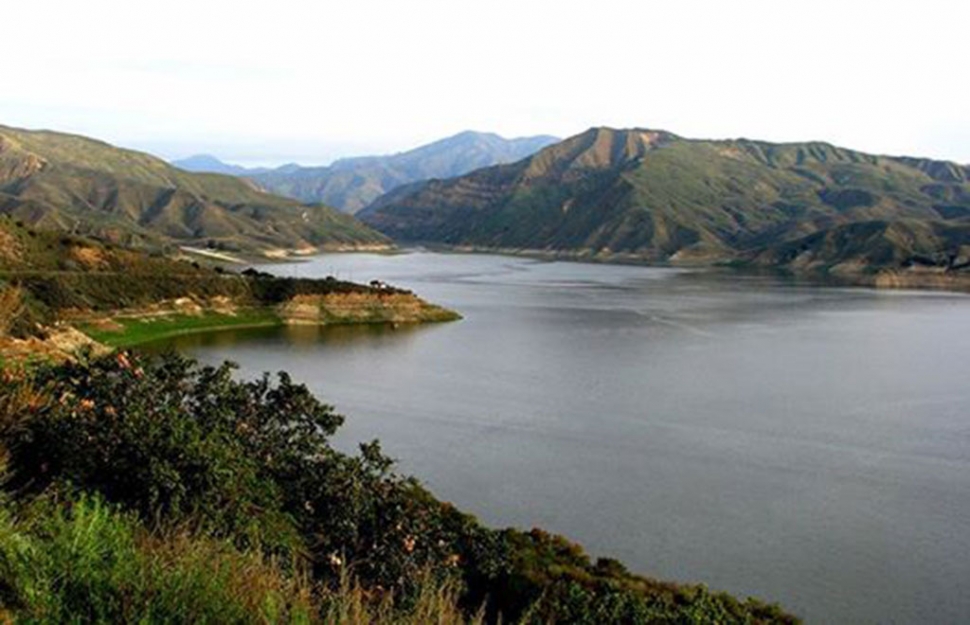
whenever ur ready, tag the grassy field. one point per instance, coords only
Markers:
(127, 332)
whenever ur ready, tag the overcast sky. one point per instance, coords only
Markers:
(275, 81)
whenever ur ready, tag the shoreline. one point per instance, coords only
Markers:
(887, 279)
(125, 329)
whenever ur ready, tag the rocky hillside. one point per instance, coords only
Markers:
(52, 284)
(78, 185)
(654, 196)
(350, 184)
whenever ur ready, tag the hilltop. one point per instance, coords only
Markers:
(352, 183)
(79, 185)
(654, 196)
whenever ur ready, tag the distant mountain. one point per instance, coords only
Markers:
(352, 183)
(72, 183)
(651, 195)
(206, 163)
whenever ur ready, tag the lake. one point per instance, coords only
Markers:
(802, 444)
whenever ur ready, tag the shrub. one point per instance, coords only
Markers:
(247, 465)
(171, 441)
(250, 461)
(11, 307)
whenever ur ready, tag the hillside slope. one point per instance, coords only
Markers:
(76, 184)
(53, 284)
(654, 196)
(350, 184)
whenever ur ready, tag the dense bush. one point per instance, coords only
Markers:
(186, 447)
(248, 460)
(173, 441)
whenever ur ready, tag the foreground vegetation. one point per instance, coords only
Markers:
(155, 489)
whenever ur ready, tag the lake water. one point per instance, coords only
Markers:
(805, 445)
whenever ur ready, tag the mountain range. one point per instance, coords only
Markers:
(209, 164)
(635, 194)
(352, 183)
(654, 196)
(71, 183)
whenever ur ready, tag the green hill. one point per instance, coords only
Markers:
(654, 196)
(351, 184)
(80, 185)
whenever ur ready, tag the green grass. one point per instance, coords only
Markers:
(139, 330)
(87, 561)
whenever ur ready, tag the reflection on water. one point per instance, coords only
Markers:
(766, 436)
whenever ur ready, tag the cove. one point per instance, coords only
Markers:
(804, 444)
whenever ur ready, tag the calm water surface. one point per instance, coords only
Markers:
(806, 445)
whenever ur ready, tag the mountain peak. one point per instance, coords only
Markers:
(598, 148)
(352, 183)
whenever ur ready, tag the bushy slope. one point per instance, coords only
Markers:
(350, 184)
(80, 185)
(49, 278)
(655, 196)
(271, 517)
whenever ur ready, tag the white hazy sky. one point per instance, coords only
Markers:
(283, 80)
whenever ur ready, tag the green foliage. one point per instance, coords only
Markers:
(548, 579)
(435, 602)
(247, 465)
(84, 561)
(131, 331)
(174, 441)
